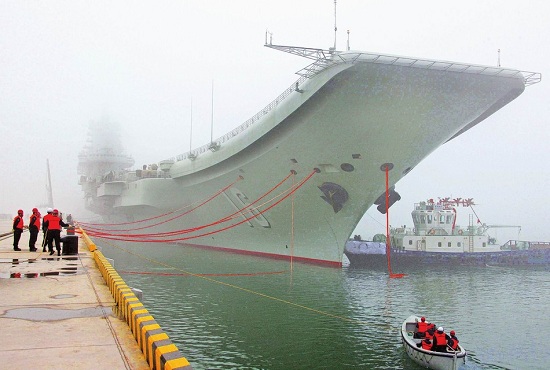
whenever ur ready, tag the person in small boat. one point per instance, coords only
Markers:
(430, 332)
(453, 341)
(421, 328)
(440, 340)
(425, 344)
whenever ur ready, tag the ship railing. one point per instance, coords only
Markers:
(327, 59)
(524, 245)
(249, 122)
(529, 78)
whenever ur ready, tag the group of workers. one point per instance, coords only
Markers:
(435, 339)
(51, 227)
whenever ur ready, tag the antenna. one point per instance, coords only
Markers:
(212, 121)
(191, 130)
(270, 37)
(498, 63)
(335, 28)
(348, 40)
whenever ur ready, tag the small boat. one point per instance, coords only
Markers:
(429, 359)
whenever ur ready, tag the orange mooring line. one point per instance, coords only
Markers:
(195, 274)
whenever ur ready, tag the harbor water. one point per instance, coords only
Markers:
(229, 311)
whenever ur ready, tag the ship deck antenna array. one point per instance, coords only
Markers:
(498, 62)
(191, 128)
(335, 28)
(212, 146)
(212, 116)
(348, 40)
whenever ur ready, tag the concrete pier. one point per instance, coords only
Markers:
(56, 312)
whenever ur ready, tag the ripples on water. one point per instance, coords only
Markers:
(325, 318)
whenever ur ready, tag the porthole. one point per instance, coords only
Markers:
(347, 167)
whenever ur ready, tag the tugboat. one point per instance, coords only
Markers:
(436, 238)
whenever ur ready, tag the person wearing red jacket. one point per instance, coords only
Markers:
(430, 332)
(34, 227)
(421, 328)
(53, 226)
(440, 340)
(45, 229)
(17, 229)
(453, 341)
(425, 344)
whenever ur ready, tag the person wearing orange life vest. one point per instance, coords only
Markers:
(45, 228)
(18, 225)
(425, 344)
(34, 226)
(421, 328)
(430, 332)
(440, 340)
(53, 226)
(453, 341)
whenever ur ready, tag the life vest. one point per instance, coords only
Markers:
(427, 345)
(440, 339)
(453, 343)
(54, 223)
(34, 221)
(429, 334)
(45, 221)
(18, 222)
(422, 326)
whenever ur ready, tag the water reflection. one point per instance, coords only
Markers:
(318, 317)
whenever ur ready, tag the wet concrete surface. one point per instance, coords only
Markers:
(38, 266)
(56, 313)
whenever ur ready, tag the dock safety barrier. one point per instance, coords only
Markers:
(159, 351)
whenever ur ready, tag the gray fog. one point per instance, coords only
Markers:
(147, 65)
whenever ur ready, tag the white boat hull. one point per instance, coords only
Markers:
(429, 359)
(346, 122)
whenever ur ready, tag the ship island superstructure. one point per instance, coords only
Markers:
(333, 132)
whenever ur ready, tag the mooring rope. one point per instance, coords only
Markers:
(250, 291)
(201, 203)
(143, 237)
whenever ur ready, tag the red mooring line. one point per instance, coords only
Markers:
(193, 274)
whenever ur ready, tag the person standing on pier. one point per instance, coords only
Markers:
(17, 229)
(45, 229)
(34, 227)
(53, 227)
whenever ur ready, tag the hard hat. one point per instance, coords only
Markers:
(452, 332)
(34, 210)
(50, 210)
(55, 211)
(423, 318)
(440, 328)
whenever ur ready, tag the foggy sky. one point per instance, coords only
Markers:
(145, 64)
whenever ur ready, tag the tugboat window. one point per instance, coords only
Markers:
(449, 244)
(430, 219)
(439, 244)
(484, 245)
(458, 244)
(410, 242)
